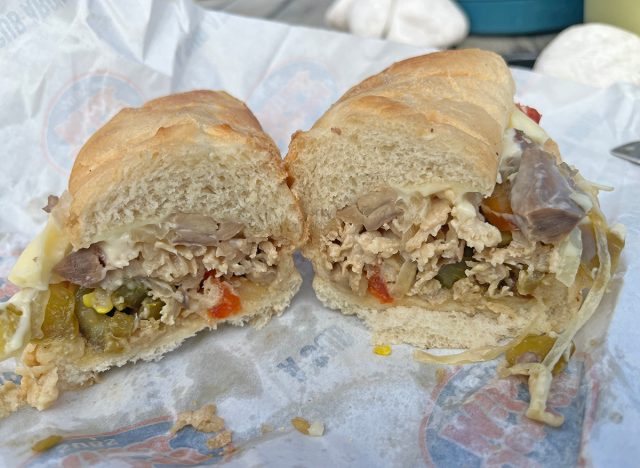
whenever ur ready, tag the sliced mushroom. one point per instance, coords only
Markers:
(371, 201)
(189, 237)
(193, 222)
(380, 216)
(195, 229)
(351, 214)
(85, 267)
(543, 198)
(228, 229)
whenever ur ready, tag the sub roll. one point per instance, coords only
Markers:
(441, 213)
(177, 218)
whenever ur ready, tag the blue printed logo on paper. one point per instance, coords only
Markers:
(477, 420)
(292, 98)
(81, 109)
(145, 445)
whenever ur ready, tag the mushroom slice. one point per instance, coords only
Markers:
(371, 201)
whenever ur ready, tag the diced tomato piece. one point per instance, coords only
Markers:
(378, 287)
(229, 303)
(531, 112)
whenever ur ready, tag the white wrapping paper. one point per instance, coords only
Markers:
(68, 66)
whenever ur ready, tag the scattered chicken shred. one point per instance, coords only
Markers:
(221, 440)
(203, 420)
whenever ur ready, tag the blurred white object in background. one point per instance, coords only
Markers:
(435, 23)
(594, 54)
(423, 23)
(369, 18)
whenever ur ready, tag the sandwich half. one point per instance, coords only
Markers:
(177, 218)
(441, 213)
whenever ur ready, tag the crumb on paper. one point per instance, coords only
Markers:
(382, 350)
(221, 440)
(301, 425)
(46, 443)
(314, 429)
(594, 342)
(203, 420)
(266, 428)
(616, 417)
(229, 449)
(441, 375)
(11, 398)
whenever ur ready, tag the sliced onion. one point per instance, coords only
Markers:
(405, 280)
(569, 253)
(228, 229)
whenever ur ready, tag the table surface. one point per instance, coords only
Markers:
(517, 50)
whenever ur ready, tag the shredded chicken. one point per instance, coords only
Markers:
(441, 246)
(11, 398)
(204, 419)
(221, 440)
(431, 232)
(171, 259)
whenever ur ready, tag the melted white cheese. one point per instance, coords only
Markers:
(426, 190)
(30, 302)
(119, 251)
(519, 120)
(34, 266)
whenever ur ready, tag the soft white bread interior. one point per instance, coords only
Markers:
(197, 152)
(450, 325)
(437, 118)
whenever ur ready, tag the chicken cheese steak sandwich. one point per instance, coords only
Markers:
(177, 218)
(441, 213)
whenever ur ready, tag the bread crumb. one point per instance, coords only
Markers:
(219, 441)
(203, 420)
(314, 429)
(301, 425)
(266, 428)
(11, 398)
(616, 417)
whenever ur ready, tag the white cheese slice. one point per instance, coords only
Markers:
(34, 266)
(520, 121)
